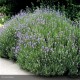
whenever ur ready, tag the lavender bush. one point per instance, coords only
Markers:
(43, 42)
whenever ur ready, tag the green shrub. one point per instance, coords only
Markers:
(6, 9)
(44, 43)
(12, 7)
(50, 46)
(6, 6)
(3, 19)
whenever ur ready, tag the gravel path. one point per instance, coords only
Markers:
(8, 67)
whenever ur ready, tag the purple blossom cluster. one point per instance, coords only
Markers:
(46, 49)
(28, 40)
(16, 50)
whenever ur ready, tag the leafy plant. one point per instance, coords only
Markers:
(48, 45)
(43, 42)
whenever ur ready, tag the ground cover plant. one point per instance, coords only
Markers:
(43, 42)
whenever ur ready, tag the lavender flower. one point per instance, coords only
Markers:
(17, 48)
(19, 35)
(46, 49)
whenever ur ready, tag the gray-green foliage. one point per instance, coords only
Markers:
(47, 44)
(50, 45)
(7, 42)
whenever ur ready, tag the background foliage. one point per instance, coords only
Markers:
(71, 7)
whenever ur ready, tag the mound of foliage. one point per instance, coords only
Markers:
(43, 42)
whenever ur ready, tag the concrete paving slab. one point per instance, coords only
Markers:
(8, 67)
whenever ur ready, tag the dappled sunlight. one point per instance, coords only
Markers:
(1, 25)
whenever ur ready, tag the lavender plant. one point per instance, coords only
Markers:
(48, 46)
(43, 42)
